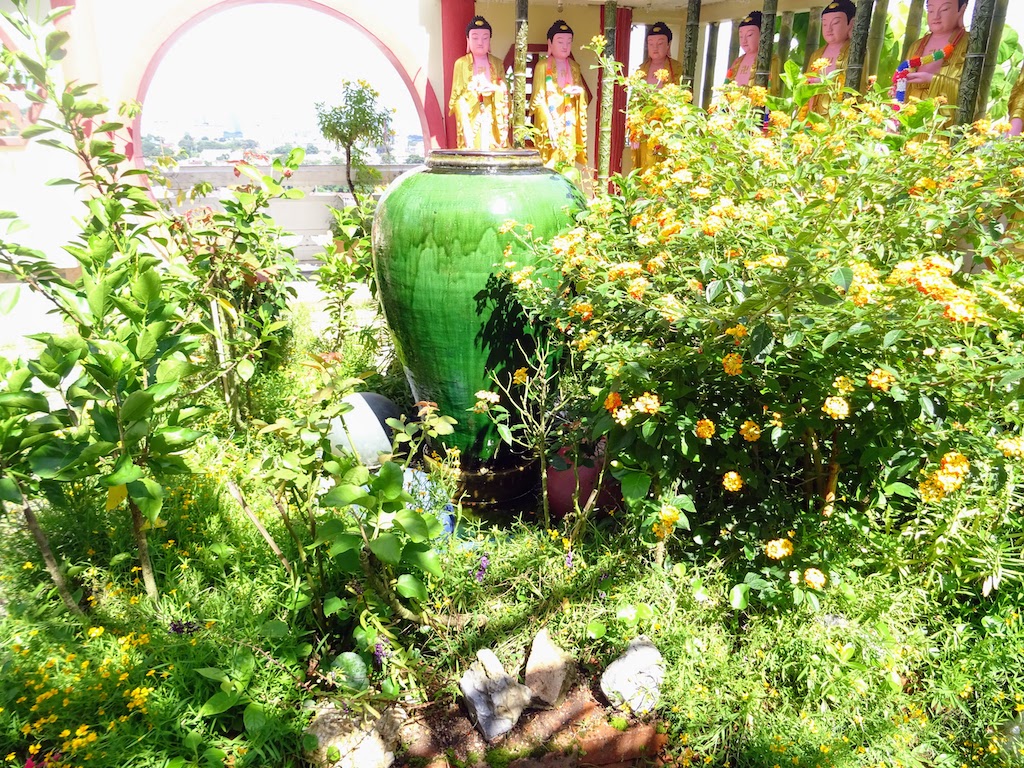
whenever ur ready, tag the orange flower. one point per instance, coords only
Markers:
(732, 363)
(879, 379)
(705, 429)
(613, 401)
(732, 481)
(777, 549)
(751, 432)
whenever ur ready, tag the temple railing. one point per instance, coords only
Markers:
(307, 219)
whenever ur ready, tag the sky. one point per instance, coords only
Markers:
(243, 88)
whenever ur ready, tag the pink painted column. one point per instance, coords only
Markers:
(455, 15)
(623, 27)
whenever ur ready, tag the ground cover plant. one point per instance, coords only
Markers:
(801, 357)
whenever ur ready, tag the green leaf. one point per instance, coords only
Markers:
(55, 40)
(346, 542)
(220, 702)
(253, 717)
(842, 277)
(149, 496)
(825, 296)
(1010, 378)
(411, 587)
(350, 671)
(335, 604)
(9, 490)
(739, 596)
(831, 340)
(213, 673)
(635, 485)
(30, 402)
(792, 339)
(146, 287)
(125, 471)
(413, 524)
(343, 495)
(246, 369)
(891, 338)
(424, 557)
(387, 547)
(596, 629)
(275, 629)
(35, 130)
(389, 480)
(136, 406)
(505, 433)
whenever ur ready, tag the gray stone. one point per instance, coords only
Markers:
(549, 671)
(494, 699)
(344, 741)
(633, 681)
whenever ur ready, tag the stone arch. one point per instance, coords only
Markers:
(424, 99)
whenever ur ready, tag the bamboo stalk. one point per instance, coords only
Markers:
(734, 41)
(709, 65)
(690, 40)
(604, 133)
(766, 45)
(992, 57)
(786, 36)
(519, 76)
(877, 36)
(813, 40)
(858, 45)
(970, 80)
(914, 17)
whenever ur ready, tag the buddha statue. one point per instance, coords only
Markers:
(943, 52)
(480, 97)
(1015, 110)
(659, 41)
(836, 28)
(559, 104)
(742, 72)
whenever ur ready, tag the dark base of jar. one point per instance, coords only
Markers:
(501, 493)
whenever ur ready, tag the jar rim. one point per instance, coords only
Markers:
(476, 158)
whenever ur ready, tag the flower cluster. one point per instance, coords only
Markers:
(777, 549)
(953, 470)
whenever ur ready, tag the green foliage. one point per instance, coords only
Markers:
(357, 122)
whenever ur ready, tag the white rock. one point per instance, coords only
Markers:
(494, 699)
(549, 671)
(345, 742)
(633, 681)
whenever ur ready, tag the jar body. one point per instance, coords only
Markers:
(437, 250)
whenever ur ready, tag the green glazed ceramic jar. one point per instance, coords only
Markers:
(436, 252)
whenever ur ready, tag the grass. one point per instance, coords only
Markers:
(893, 668)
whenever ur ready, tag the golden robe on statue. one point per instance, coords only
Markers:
(559, 116)
(1015, 109)
(774, 77)
(482, 114)
(643, 155)
(819, 104)
(946, 82)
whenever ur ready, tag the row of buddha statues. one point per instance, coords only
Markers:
(558, 108)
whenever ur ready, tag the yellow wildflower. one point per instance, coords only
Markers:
(732, 481)
(705, 429)
(777, 549)
(814, 578)
(750, 431)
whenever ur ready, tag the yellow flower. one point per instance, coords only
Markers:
(814, 578)
(94, 632)
(732, 481)
(879, 379)
(28, 566)
(777, 549)
(520, 376)
(751, 432)
(669, 514)
(732, 363)
(820, 64)
(1012, 447)
(647, 403)
(705, 429)
(843, 385)
(737, 332)
(836, 407)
